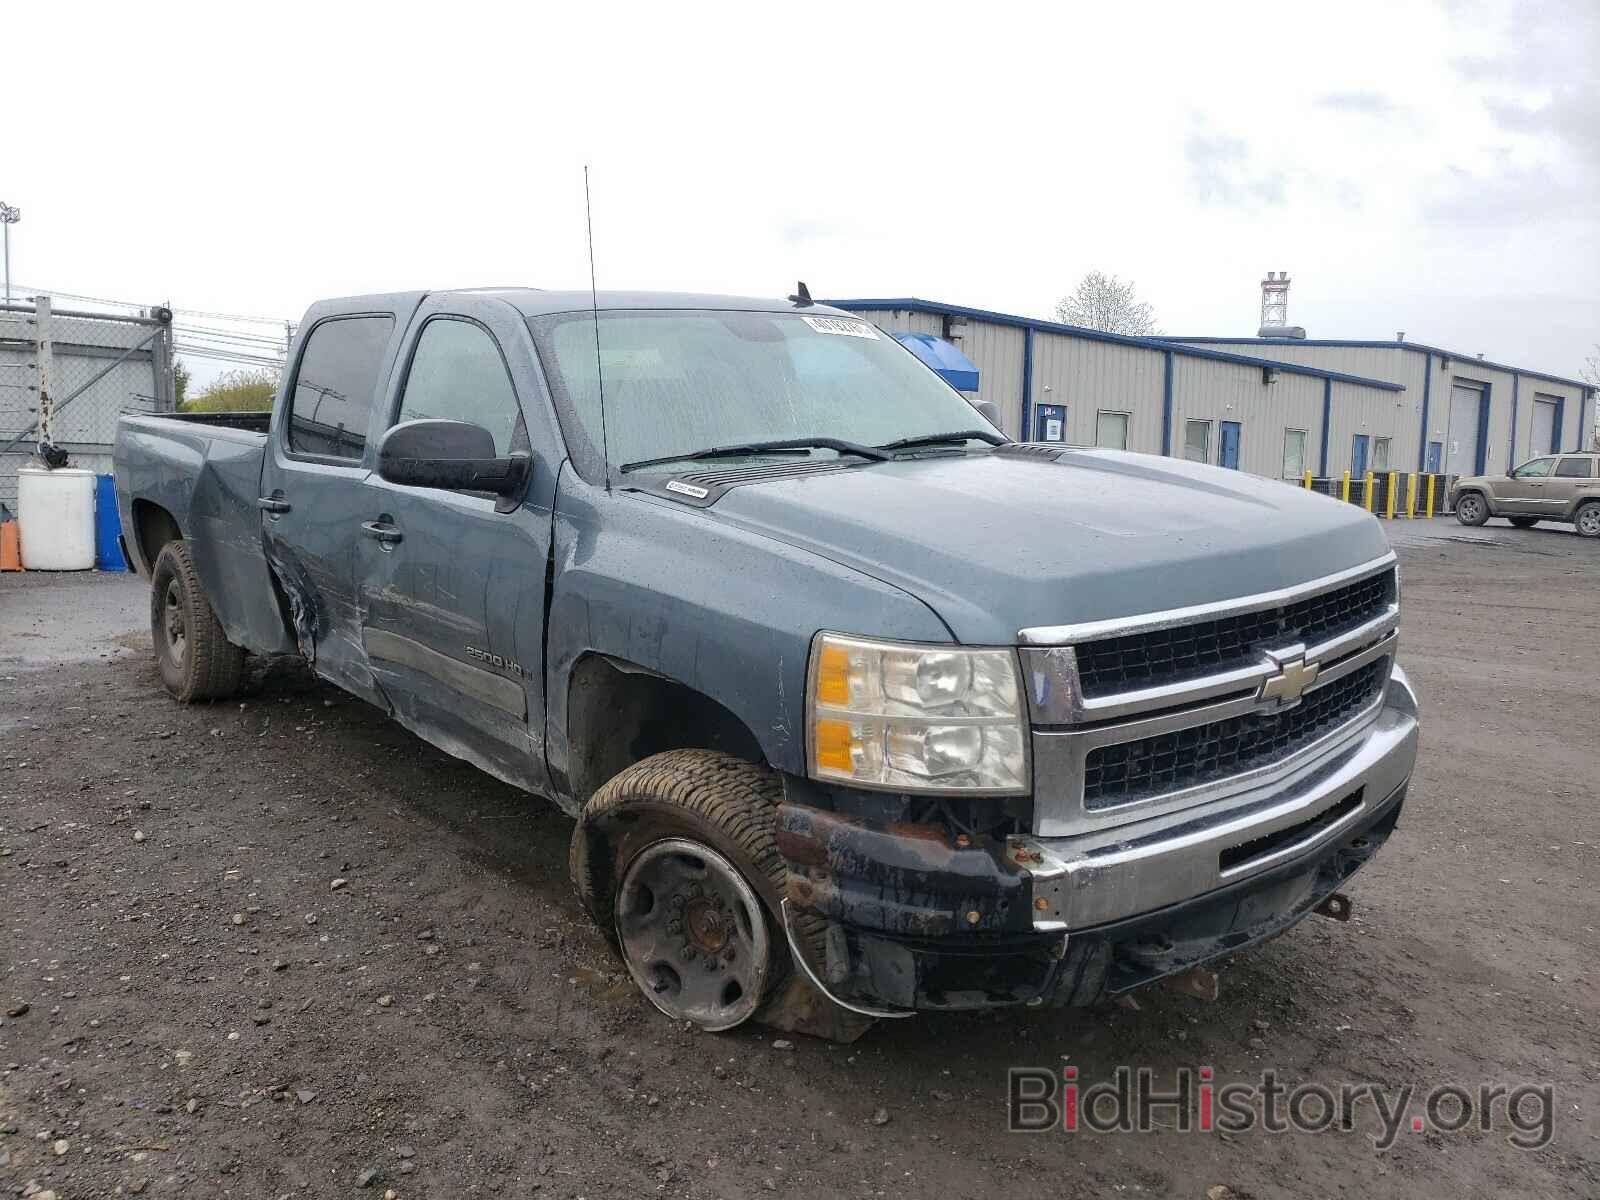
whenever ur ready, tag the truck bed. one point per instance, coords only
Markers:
(202, 473)
(255, 422)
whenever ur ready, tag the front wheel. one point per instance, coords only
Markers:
(1472, 509)
(674, 857)
(1587, 519)
(194, 656)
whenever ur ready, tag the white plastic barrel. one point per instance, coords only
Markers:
(55, 516)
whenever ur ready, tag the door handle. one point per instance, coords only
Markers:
(272, 504)
(382, 531)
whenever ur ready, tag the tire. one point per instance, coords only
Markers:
(1472, 508)
(1523, 522)
(196, 659)
(637, 834)
(1587, 519)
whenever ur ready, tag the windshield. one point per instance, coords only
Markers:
(678, 381)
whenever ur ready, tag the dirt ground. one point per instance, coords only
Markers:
(271, 946)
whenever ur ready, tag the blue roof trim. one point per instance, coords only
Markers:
(911, 304)
(1363, 344)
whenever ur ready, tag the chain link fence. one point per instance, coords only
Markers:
(86, 369)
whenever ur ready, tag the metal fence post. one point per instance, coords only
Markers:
(41, 317)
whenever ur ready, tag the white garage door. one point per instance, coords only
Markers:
(1544, 427)
(1461, 444)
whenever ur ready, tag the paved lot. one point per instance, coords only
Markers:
(209, 1016)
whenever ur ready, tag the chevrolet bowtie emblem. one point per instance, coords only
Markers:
(1294, 676)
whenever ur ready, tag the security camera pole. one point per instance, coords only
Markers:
(8, 217)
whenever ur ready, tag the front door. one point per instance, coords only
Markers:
(1228, 445)
(452, 612)
(1435, 457)
(1358, 455)
(311, 482)
(1525, 490)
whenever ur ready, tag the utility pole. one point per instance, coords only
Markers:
(8, 217)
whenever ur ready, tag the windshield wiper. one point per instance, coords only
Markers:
(939, 439)
(786, 445)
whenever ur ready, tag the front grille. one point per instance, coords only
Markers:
(1202, 754)
(1162, 656)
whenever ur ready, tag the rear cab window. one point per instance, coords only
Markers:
(335, 382)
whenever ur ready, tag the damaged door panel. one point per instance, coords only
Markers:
(451, 583)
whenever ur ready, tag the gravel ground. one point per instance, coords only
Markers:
(280, 947)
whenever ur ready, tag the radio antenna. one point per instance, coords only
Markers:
(594, 312)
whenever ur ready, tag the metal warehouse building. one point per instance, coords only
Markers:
(1270, 406)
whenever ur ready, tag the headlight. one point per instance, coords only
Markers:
(911, 718)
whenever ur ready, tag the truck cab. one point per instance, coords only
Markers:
(861, 707)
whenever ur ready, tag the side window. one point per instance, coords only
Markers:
(1380, 453)
(457, 374)
(1536, 469)
(1575, 468)
(334, 385)
(1111, 429)
(1197, 441)
(1294, 454)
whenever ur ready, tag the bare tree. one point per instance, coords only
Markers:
(1106, 303)
(1591, 376)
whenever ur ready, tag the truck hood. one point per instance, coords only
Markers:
(997, 543)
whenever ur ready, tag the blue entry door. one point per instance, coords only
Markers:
(1358, 455)
(1228, 448)
(1435, 457)
(1050, 423)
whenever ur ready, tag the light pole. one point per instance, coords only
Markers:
(8, 217)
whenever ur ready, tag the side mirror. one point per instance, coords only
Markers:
(457, 456)
(989, 410)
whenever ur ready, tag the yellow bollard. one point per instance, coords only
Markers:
(1431, 478)
(1344, 488)
(1411, 497)
(1308, 481)
(1394, 479)
(1368, 499)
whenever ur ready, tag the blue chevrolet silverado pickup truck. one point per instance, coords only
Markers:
(861, 707)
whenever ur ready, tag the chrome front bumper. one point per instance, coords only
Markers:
(1094, 878)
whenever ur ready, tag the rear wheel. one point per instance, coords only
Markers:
(194, 656)
(1524, 522)
(1587, 519)
(674, 858)
(1471, 509)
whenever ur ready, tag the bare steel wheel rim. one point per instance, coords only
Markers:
(173, 624)
(1589, 519)
(693, 934)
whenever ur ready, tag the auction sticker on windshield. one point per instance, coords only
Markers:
(842, 325)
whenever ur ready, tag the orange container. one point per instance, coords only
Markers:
(10, 547)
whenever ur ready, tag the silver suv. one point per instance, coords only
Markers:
(1553, 487)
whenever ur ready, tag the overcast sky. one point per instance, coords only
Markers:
(1427, 167)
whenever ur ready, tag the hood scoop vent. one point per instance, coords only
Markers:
(702, 489)
(1041, 451)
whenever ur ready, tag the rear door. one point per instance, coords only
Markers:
(451, 589)
(1573, 473)
(317, 456)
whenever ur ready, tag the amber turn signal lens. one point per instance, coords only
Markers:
(833, 676)
(834, 743)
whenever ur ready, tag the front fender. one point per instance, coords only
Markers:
(725, 611)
